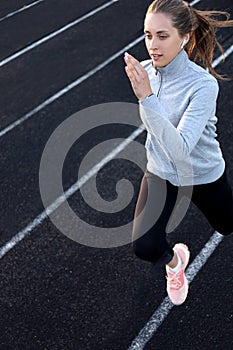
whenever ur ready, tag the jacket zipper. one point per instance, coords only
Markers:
(160, 85)
(166, 152)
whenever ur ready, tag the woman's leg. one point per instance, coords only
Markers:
(155, 204)
(216, 203)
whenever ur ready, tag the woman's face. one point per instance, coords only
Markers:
(163, 41)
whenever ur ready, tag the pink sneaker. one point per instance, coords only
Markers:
(177, 284)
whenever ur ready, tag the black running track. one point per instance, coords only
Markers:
(57, 294)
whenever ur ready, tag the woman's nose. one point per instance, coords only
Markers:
(153, 44)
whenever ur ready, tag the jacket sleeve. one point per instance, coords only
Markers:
(178, 142)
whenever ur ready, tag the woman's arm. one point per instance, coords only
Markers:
(180, 141)
(177, 142)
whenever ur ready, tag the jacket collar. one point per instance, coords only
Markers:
(175, 67)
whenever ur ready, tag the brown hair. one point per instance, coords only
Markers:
(201, 25)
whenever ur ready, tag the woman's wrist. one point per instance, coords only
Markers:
(147, 96)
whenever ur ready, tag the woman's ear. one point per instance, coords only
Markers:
(185, 41)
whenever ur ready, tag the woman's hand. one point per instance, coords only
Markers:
(138, 77)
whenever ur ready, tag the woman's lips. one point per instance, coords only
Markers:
(156, 57)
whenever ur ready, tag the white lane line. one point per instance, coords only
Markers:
(166, 306)
(221, 58)
(57, 32)
(69, 87)
(41, 217)
(68, 193)
(26, 7)
(194, 2)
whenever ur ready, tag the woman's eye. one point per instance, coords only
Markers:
(163, 37)
(148, 36)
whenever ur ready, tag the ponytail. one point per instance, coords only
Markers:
(203, 38)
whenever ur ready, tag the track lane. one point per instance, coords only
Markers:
(28, 26)
(57, 294)
(43, 77)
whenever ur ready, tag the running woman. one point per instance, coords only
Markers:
(177, 102)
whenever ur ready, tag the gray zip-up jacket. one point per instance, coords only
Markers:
(181, 123)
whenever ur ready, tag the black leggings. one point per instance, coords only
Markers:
(152, 213)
